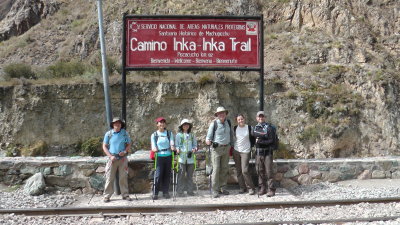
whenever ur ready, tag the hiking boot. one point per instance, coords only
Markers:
(224, 192)
(242, 191)
(252, 192)
(127, 198)
(271, 193)
(106, 200)
(155, 197)
(262, 191)
(191, 193)
(167, 196)
(215, 195)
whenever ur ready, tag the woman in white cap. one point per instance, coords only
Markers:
(186, 145)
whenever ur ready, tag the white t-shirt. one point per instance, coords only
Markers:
(242, 143)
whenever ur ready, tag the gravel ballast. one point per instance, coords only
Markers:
(321, 191)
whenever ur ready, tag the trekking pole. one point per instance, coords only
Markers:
(173, 177)
(195, 168)
(258, 172)
(91, 198)
(209, 158)
(176, 177)
(154, 177)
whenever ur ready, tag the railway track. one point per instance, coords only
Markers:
(154, 209)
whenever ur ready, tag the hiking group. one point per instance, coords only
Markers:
(222, 140)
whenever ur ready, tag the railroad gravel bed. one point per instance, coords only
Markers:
(18, 199)
(321, 191)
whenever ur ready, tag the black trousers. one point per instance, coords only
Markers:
(163, 174)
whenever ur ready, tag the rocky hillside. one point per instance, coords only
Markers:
(331, 70)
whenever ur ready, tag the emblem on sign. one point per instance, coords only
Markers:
(133, 26)
(251, 28)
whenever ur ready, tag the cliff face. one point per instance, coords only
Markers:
(64, 115)
(331, 71)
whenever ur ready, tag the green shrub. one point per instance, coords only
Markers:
(12, 151)
(92, 147)
(67, 69)
(205, 79)
(19, 70)
(313, 133)
(291, 95)
(310, 134)
(284, 152)
(37, 149)
(113, 65)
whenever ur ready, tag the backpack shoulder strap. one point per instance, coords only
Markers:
(229, 122)
(215, 128)
(155, 138)
(251, 137)
(110, 133)
(234, 128)
(168, 135)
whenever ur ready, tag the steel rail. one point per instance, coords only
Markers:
(330, 221)
(126, 210)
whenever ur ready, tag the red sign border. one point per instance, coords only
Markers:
(200, 68)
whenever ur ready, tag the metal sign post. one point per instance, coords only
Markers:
(104, 63)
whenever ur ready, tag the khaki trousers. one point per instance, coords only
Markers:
(185, 178)
(220, 163)
(242, 169)
(111, 169)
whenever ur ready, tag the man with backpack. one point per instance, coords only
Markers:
(266, 141)
(116, 146)
(220, 137)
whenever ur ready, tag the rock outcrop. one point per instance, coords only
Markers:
(24, 14)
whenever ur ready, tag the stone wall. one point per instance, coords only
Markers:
(86, 174)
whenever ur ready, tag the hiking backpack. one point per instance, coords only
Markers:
(275, 143)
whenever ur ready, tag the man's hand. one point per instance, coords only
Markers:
(113, 159)
(208, 142)
(154, 150)
(122, 154)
